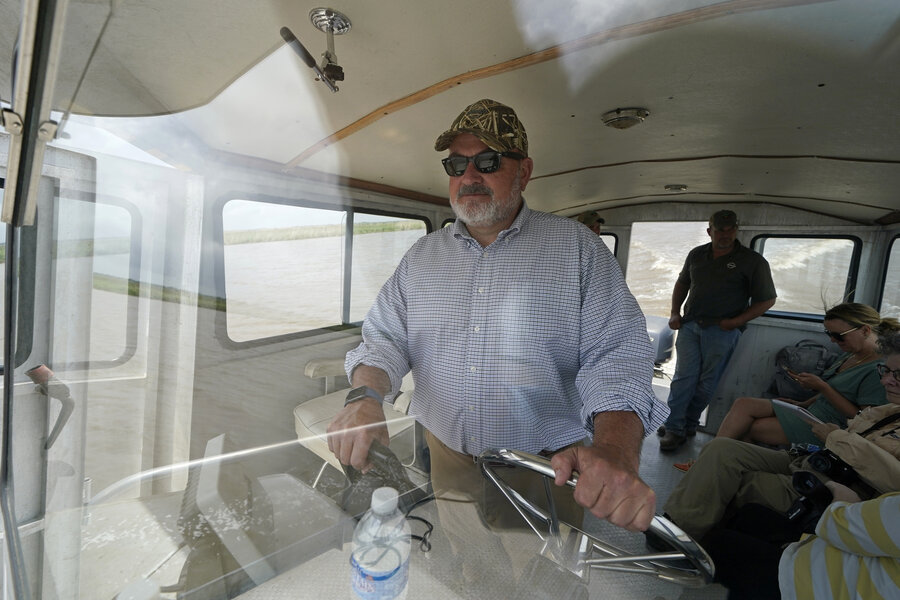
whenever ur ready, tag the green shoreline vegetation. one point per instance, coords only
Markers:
(280, 234)
(130, 287)
(122, 245)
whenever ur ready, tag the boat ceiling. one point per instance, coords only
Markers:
(790, 102)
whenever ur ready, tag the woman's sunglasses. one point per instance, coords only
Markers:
(485, 162)
(838, 337)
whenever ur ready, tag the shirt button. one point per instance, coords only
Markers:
(481, 290)
(473, 369)
(477, 328)
(484, 254)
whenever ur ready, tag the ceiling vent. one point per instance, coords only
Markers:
(623, 118)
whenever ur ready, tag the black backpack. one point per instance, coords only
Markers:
(806, 356)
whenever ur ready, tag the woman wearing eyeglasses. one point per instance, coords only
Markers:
(847, 386)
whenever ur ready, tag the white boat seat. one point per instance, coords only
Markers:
(311, 418)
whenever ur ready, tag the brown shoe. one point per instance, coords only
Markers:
(671, 441)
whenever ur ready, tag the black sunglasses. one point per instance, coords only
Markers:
(883, 370)
(838, 337)
(485, 162)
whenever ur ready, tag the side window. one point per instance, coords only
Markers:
(655, 259)
(379, 242)
(890, 291)
(810, 273)
(115, 282)
(285, 267)
(610, 240)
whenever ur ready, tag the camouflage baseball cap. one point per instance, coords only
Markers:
(493, 123)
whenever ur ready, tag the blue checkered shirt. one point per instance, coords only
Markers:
(516, 345)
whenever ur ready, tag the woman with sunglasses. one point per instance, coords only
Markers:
(848, 385)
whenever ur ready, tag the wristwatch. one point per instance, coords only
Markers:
(363, 391)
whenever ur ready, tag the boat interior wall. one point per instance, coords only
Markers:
(752, 365)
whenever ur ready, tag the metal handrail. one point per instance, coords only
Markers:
(687, 564)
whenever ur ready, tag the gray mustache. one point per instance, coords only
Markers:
(474, 188)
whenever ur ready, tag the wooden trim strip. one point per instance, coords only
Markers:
(877, 161)
(688, 17)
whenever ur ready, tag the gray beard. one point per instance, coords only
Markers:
(485, 214)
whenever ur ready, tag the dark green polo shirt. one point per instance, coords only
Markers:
(721, 288)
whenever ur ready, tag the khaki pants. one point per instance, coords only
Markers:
(727, 475)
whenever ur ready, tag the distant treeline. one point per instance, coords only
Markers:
(279, 234)
(122, 245)
(80, 248)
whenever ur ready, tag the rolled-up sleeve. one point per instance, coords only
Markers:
(615, 351)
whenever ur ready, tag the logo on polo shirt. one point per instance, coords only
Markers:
(731, 265)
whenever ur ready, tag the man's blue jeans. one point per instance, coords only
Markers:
(702, 355)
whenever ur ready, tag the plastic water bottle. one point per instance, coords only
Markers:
(379, 561)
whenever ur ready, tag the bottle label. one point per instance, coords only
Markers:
(371, 584)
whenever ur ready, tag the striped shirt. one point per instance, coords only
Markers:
(515, 345)
(854, 554)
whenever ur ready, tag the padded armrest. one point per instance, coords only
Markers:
(324, 367)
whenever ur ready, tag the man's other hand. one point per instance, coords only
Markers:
(351, 432)
(608, 485)
(675, 322)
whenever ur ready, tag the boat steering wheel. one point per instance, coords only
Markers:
(687, 563)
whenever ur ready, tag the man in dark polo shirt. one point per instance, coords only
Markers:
(726, 286)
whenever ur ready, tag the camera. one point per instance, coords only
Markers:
(827, 463)
(814, 499)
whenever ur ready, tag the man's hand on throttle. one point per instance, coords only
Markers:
(351, 433)
(608, 485)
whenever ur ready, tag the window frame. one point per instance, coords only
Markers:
(884, 267)
(757, 243)
(25, 287)
(615, 237)
(221, 299)
(132, 309)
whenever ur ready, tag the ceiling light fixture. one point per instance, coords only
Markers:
(676, 187)
(623, 118)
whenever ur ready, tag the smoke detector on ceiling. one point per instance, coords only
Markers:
(623, 118)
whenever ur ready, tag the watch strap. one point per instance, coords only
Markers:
(363, 391)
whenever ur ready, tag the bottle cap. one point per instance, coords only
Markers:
(384, 500)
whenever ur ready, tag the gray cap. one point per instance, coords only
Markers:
(590, 217)
(723, 219)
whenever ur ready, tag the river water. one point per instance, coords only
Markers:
(280, 287)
